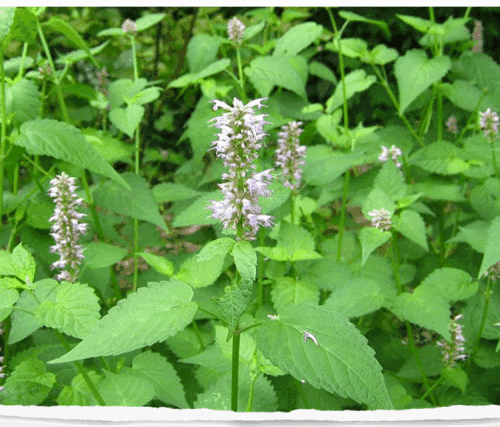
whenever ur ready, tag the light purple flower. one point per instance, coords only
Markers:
(66, 229)
(488, 121)
(2, 374)
(477, 36)
(237, 145)
(129, 26)
(290, 155)
(451, 124)
(381, 219)
(455, 350)
(392, 152)
(235, 30)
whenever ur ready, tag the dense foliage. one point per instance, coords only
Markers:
(252, 209)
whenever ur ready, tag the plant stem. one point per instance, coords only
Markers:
(240, 75)
(260, 271)
(60, 96)
(250, 394)
(198, 335)
(432, 387)
(487, 295)
(235, 367)
(81, 370)
(493, 157)
(3, 130)
(342, 213)
(292, 207)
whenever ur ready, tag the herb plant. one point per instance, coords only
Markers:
(258, 213)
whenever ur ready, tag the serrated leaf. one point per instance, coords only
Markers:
(6, 20)
(150, 315)
(222, 246)
(65, 142)
(441, 157)
(73, 311)
(294, 244)
(356, 81)
(29, 383)
(162, 375)
(492, 249)
(137, 203)
(351, 16)
(452, 283)
(78, 393)
(171, 192)
(100, 255)
(202, 51)
(125, 389)
(377, 200)
(456, 377)
(391, 181)
(415, 73)
(474, 234)
(431, 360)
(8, 298)
(127, 119)
(287, 291)
(197, 213)
(411, 225)
(245, 260)
(23, 263)
(124, 90)
(112, 149)
(371, 238)
(351, 47)
(201, 273)
(218, 395)
(297, 39)
(158, 263)
(341, 363)
(356, 298)
(23, 100)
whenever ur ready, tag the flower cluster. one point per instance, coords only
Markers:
(392, 152)
(290, 155)
(381, 219)
(66, 229)
(451, 125)
(129, 26)
(456, 350)
(2, 375)
(235, 30)
(238, 144)
(477, 36)
(488, 121)
(493, 272)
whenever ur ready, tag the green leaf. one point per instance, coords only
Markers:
(377, 200)
(79, 55)
(171, 192)
(100, 255)
(245, 260)
(137, 203)
(422, 25)
(371, 238)
(356, 81)
(202, 51)
(439, 190)
(127, 119)
(29, 383)
(23, 263)
(6, 20)
(71, 34)
(202, 273)
(297, 39)
(351, 16)
(253, 30)
(112, 149)
(159, 264)
(441, 157)
(65, 142)
(456, 377)
(161, 374)
(356, 298)
(341, 363)
(213, 68)
(474, 234)
(351, 47)
(415, 73)
(424, 308)
(79, 393)
(380, 55)
(391, 181)
(8, 298)
(150, 315)
(411, 225)
(287, 291)
(322, 71)
(323, 165)
(453, 284)
(148, 21)
(465, 94)
(125, 389)
(73, 310)
(222, 246)
(430, 359)
(294, 244)
(23, 100)
(278, 70)
(492, 250)
(197, 213)
(124, 90)
(218, 395)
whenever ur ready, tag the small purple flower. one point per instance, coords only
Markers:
(129, 27)
(237, 145)
(235, 30)
(488, 121)
(451, 124)
(2, 374)
(66, 228)
(290, 155)
(381, 219)
(455, 350)
(392, 152)
(477, 36)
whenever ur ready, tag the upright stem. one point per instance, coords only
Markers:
(260, 271)
(240, 75)
(494, 157)
(342, 213)
(292, 207)
(235, 367)
(487, 295)
(3, 130)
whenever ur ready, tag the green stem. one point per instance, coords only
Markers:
(60, 96)
(81, 370)
(235, 367)
(493, 157)
(23, 58)
(250, 394)
(3, 130)
(260, 272)
(342, 213)
(91, 205)
(487, 295)
(198, 335)
(240, 74)
(395, 265)
(292, 207)
(134, 58)
(432, 387)
(439, 113)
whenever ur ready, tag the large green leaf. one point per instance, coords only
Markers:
(171, 192)
(341, 362)
(23, 99)
(63, 141)
(100, 254)
(415, 73)
(79, 393)
(16, 267)
(148, 20)
(202, 51)
(6, 20)
(371, 238)
(73, 309)
(150, 315)
(160, 372)
(287, 291)
(441, 157)
(492, 249)
(127, 119)
(411, 225)
(137, 203)
(356, 81)
(125, 389)
(8, 298)
(297, 38)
